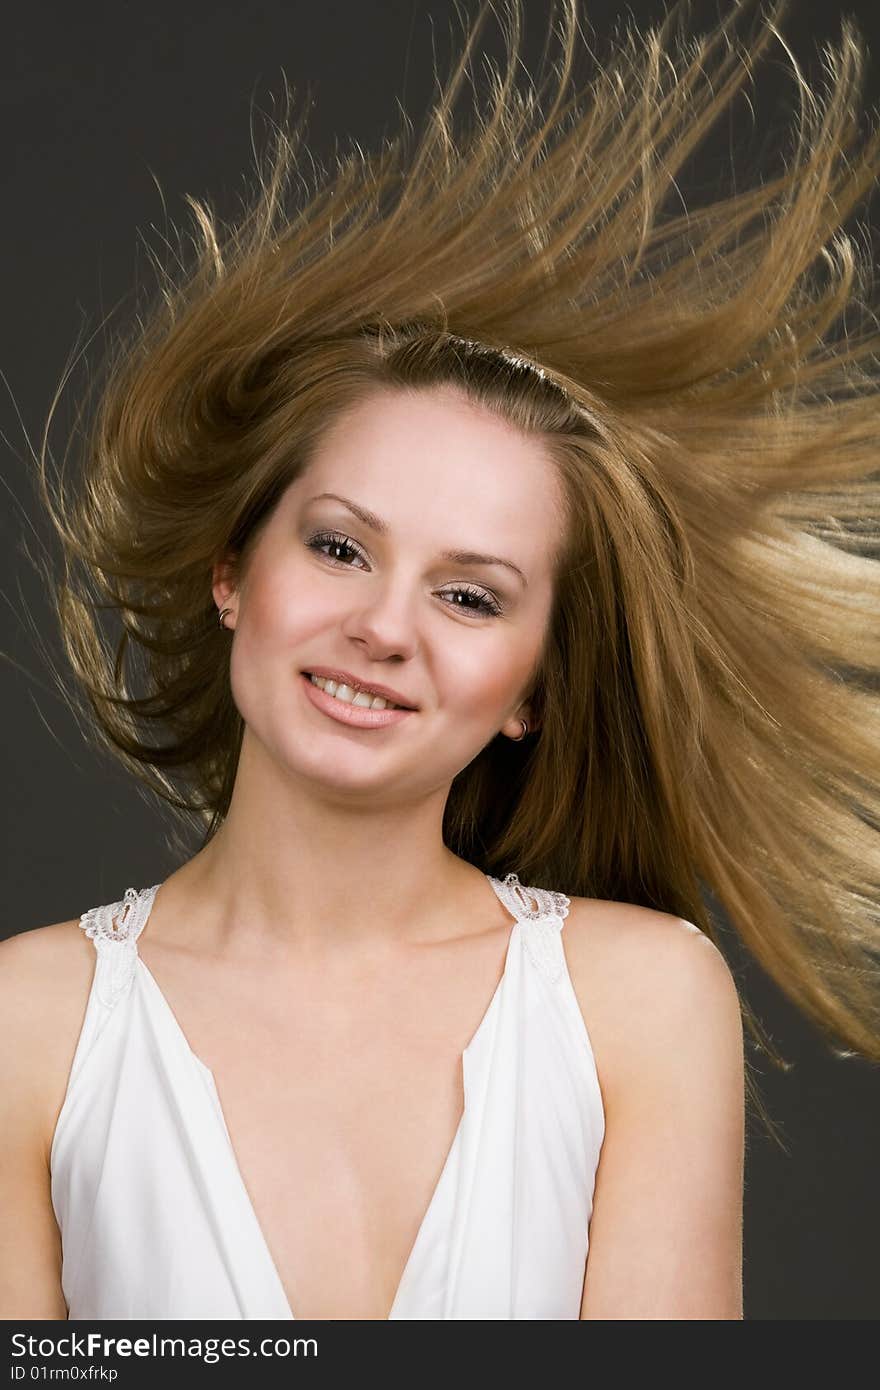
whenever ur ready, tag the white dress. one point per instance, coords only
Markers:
(156, 1221)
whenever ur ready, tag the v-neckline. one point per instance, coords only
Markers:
(245, 1197)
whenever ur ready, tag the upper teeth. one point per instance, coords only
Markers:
(351, 697)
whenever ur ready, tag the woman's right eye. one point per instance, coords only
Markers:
(334, 539)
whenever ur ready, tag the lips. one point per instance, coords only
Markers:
(356, 683)
(349, 714)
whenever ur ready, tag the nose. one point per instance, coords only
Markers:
(384, 621)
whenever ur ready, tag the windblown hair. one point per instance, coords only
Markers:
(707, 391)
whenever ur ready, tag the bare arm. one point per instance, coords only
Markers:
(31, 1072)
(666, 1230)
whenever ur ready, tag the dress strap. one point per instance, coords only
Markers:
(542, 924)
(115, 928)
(550, 902)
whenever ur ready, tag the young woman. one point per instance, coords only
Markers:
(489, 540)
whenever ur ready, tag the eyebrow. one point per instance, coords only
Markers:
(457, 557)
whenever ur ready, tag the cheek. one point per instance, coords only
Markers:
(482, 679)
(283, 607)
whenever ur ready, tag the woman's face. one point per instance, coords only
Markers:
(377, 597)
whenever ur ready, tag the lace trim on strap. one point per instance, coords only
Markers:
(114, 928)
(542, 923)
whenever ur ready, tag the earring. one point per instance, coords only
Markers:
(525, 730)
(223, 612)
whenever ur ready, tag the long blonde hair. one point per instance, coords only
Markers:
(706, 386)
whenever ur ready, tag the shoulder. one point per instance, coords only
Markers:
(45, 978)
(40, 967)
(662, 1009)
(651, 986)
(44, 975)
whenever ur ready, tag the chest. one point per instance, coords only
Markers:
(341, 1112)
(340, 1170)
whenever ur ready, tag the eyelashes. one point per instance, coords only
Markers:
(486, 603)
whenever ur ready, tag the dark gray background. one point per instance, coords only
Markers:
(99, 99)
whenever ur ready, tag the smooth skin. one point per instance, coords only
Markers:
(334, 1020)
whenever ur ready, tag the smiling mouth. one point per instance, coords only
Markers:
(362, 699)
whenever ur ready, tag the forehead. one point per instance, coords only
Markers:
(451, 469)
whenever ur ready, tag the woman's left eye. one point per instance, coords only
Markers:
(486, 603)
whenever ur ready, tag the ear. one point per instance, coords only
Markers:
(224, 581)
(512, 727)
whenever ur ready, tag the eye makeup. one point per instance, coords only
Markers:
(486, 603)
